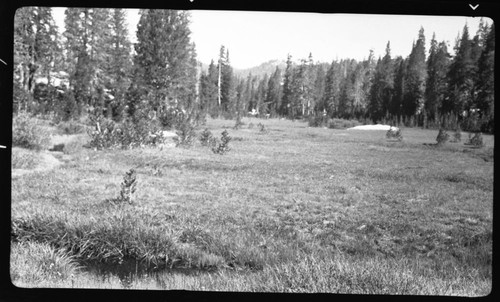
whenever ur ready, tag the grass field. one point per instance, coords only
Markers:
(293, 209)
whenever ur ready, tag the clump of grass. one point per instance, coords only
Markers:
(476, 140)
(32, 263)
(27, 132)
(24, 159)
(222, 147)
(251, 125)
(442, 137)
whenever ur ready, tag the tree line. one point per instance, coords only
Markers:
(160, 73)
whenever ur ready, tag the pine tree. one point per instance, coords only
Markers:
(273, 96)
(382, 89)
(286, 100)
(35, 50)
(163, 63)
(120, 64)
(415, 78)
(227, 89)
(437, 67)
(460, 74)
(319, 89)
(332, 89)
(88, 39)
(262, 95)
(209, 90)
(401, 66)
(486, 81)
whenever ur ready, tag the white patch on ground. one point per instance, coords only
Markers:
(371, 127)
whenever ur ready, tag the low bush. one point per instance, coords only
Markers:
(206, 137)
(221, 147)
(238, 124)
(457, 136)
(27, 132)
(71, 127)
(336, 123)
(394, 133)
(317, 121)
(128, 187)
(262, 128)
(476, 140)
(108, 135)
(186, 133)
(442, 137)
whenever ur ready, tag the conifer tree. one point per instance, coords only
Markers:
(486, 81)
(332, 89)
(460, 74)
(286, 99)
(413, 100)
(273, 96)
(120, 64)
(437, 67)
(383, 87)
(163, 64)
(35, 50)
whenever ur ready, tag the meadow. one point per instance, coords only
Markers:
(289, 209)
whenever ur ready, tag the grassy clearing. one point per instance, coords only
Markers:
(295, 209)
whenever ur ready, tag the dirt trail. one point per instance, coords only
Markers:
(46, 160)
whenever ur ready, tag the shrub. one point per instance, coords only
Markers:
(476, 140)
(457, 136)
(128, 187)
(238, 124)
(206, 137)
(262, 128)
(71, 127)
(394, 132)
(222, 147)
(442, 137)
(27, 132)
(108, 134)
(318, 121)
(185, 133)
(336, 123)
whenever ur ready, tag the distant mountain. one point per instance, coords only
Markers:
(265, 68)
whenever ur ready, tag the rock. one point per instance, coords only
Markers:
(57, 147)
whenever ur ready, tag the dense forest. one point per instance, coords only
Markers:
(93, 67)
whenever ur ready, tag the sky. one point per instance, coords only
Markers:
(253, 38)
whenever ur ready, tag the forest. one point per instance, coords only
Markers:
(94, 67)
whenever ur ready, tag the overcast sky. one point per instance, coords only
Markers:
(256, 37)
